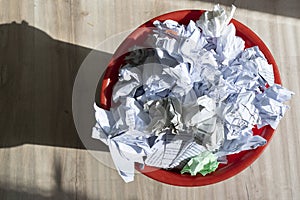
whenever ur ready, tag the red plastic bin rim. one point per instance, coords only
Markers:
(237, 162)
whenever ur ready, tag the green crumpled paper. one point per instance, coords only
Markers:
(204, 163)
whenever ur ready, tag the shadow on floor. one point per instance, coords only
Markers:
(289, 8)
(37, 74)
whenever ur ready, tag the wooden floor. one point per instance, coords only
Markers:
(42, 45)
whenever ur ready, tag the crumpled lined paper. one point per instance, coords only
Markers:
(190, 100)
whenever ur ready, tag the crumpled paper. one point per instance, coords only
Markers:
(213, 23)
(191, 100)
(204, 163)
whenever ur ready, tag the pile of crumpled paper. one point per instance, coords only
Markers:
(190, 99)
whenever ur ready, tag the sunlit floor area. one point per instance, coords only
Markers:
(42, 46)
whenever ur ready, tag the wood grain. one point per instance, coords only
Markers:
(42, 45)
